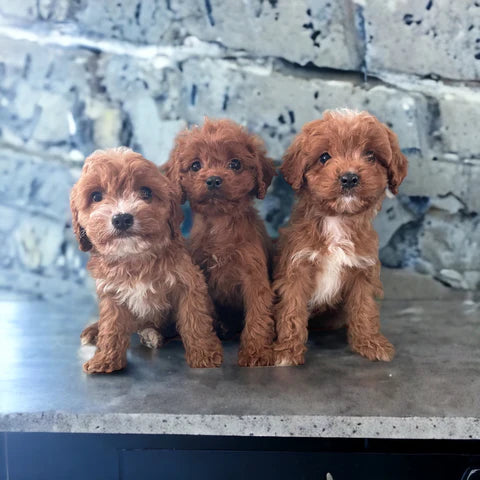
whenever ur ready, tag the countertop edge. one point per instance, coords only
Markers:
(446, 428)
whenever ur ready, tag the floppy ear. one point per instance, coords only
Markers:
(80, 233)
(176, 214)
(265, 167)
(398, 165)
(295, 162)
(171, 170)
(176, 218)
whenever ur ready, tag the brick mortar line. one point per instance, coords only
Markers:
(202, 49)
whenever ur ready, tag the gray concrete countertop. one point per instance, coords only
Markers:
(430, 390)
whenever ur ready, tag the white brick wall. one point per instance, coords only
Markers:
(423, 37)
(80, 75)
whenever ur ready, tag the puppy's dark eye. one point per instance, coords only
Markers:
(146, 193)
(371, 157)
(235, 164)
(324, 157)
(195, 166)
(96, 196)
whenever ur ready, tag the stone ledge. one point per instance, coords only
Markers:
(335, 394)
(412, 428)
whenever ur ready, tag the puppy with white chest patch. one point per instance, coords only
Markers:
(127, 215)
(341, 167)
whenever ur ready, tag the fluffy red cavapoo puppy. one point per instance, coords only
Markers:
(127, 215)
(222, 168)
(341, 167)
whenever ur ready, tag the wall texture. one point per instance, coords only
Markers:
(76, 75)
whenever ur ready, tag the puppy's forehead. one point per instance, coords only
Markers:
(115, 158)
(341, 132)
(120, 167)
(211, 149)
(118, 159)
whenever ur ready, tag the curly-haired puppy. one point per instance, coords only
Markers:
(222, 168)
(127, 214)
(341, 167)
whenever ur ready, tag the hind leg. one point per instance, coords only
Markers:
(151, 337)
(89, 335)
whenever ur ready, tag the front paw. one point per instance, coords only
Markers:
(254, 358)
(151, 338)
(376, 347)
(100, 363)
(209, 357)
(89, 335)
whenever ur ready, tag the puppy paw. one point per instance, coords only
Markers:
(209, 357)
(151, 338)
(89, 335)
(288, 358)
(263, 358)
(100, 363)
(376, 347)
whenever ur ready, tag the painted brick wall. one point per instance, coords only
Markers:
(76, 75)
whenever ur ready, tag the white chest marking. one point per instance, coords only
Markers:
(340, 254)
(135, 297)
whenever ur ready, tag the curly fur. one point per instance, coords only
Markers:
(228, 240)
(144, 273)
(328, 254)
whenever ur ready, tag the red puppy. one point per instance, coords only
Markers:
(127, 214)
(222, 168)
(340, 166)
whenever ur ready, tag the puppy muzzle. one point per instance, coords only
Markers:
(213, 183)
(122, 221)
(349, 180)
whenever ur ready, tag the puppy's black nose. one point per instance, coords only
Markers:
(349, 180)
(213, 182)
(122, 221)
